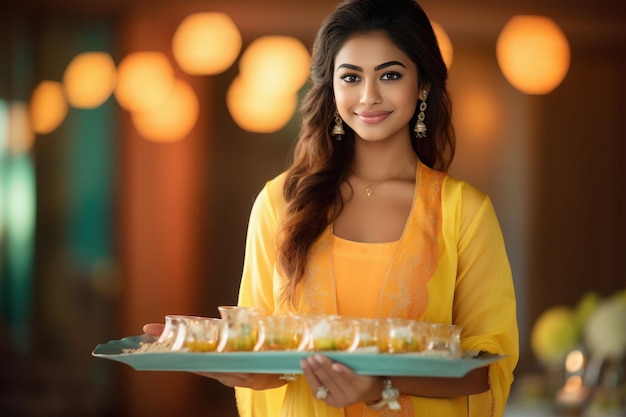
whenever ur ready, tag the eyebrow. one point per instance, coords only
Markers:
(376, 68)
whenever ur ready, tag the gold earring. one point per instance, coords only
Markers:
(420, 126)
(338, 130)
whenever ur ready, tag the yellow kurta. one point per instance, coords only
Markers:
(450, 266)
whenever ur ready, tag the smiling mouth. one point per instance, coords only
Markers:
(373, 117)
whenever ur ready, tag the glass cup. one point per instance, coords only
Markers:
(202, 334)
(283, 332)
(240, 329)
(192, 333)
(443, 340)
(367, 333)
(331, 332)
(172, 338)
(396, 335)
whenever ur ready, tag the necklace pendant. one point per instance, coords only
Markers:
(369, 191)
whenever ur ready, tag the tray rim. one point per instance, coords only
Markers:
(287, 362)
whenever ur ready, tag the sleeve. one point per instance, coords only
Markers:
(484, 300)
(256, 288)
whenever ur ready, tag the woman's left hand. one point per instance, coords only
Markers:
(341, 385)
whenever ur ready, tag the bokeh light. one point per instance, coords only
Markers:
(21, 200)
(173, 118)
(89, 79)
(48, 107)
(206, 43)
(144, 80)
(256, 112)
(482, 113)
(575, 361)
(4, 130)
(276, 65)
(20, 239)
(533, 54)
(20, 135)
(263, 98)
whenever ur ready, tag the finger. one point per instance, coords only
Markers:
(310, 368)
(345, 387)
(322, 368)
(309, 375)
(153, 329)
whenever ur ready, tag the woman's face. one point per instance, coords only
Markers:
(375, 86)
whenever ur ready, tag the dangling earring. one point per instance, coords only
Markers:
(338, 130)
(420, 126)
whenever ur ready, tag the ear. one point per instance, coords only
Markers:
(421, 91)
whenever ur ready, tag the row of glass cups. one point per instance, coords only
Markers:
(243, 329)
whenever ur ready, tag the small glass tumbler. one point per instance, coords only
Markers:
(367, 333)
(283, 332)
(172, 337)
(202, 334)
(332, 332)
(240, 329)
(443, 340)
(396, 335)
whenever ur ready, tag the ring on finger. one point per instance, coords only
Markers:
(321, 392)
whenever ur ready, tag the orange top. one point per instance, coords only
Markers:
(354, 261)
(359, 270)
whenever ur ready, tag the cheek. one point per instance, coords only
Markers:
(341, 95)
(407, 101)
(343, 101)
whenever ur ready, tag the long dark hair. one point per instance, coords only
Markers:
(320, 163)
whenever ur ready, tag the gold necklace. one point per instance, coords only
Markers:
(368, 185)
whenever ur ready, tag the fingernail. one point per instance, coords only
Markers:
(319, 358)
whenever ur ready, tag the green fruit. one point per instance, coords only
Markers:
(554, 334)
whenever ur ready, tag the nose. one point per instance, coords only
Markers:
(370, 93)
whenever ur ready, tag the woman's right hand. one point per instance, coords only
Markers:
(153, 329)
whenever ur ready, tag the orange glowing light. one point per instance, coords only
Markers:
(173, 118)
(89, 79)
(206, 43)
(145, 79)
(575, 361)
(533, 54)
(573, 383)
(48, 107)
(445, 44)
(275, 65)
(255, 112)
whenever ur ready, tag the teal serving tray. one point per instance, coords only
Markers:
(286, 362)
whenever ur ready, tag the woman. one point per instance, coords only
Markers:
(365, 222)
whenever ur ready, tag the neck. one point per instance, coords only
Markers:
(377, 167)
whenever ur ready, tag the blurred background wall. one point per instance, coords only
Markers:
(102, 230)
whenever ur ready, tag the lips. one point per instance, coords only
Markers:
(373, 117)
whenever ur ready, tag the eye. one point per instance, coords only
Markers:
(350, 78)
(391, 76)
